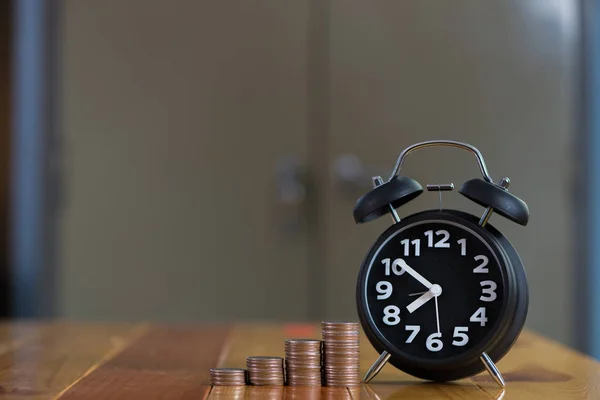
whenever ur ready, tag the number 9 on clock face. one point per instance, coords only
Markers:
(436, 291)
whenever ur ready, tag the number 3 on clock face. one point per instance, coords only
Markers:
(437, 290)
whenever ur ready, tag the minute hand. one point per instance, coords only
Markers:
(415, 274)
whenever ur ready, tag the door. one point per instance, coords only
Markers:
(6, 60)
(499, 75)
(175, 118)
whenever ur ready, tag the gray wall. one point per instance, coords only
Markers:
(174, 118)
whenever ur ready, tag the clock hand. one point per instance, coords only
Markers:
(424, 298)
(437, 315)
(415, 274)
(417, 294)
(435, 291)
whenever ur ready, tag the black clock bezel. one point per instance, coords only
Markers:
(502, 335)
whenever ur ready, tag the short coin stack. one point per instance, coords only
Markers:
(265, 370)
(303, 362)
(341, 353)
(228, 376)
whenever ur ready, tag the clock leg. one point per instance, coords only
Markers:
(377, 181)
(504, 182)
(492, 369)
(376, 367)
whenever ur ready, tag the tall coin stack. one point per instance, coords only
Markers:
(341, 353)
(265, 370)
(303, 362)
(228, 376)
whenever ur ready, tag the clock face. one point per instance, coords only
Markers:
(434, 290)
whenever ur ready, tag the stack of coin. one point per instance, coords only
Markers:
(228, 376)
(341, 352)
(265, 370)
(303, 362)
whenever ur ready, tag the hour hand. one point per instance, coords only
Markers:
(424, 298)
(435, 291)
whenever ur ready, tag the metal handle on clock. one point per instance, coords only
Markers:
(443, 143)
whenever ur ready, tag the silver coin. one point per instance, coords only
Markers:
(228, 376)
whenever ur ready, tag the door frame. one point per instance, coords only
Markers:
(34, 177)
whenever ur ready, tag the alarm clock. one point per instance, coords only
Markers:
(442, 294)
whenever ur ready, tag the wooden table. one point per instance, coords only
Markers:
(121, 361)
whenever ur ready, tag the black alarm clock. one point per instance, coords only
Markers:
(441, 294)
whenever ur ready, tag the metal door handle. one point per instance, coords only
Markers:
(291, 193)
(351, 176)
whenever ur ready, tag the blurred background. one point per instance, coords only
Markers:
(199, 160)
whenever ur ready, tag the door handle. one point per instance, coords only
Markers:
(291, 182)
(351, 176)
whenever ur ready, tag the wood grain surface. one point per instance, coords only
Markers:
(50, 360)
